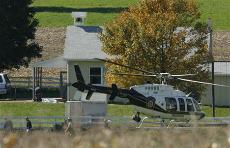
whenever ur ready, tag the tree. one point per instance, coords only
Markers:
(17, 32)
(159, 36)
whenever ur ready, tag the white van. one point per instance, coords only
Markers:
(5, 85)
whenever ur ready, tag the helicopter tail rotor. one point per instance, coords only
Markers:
(79, 74)
(79, 85)
(89, 95)
(114, 92)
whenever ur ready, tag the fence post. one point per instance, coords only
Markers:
(15, 93)
(28, 79)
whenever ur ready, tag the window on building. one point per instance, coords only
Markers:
(181, 104)
(78, 19)
(171, 104)
(190, 107)
(96, 75)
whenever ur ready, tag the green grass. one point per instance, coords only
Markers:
(56, 13)
(220, 111)
(46, 109)
(121, 110)
(218, 10)
(31, 109)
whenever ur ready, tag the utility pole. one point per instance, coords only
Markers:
(212, 62)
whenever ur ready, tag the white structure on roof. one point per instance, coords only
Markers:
(79, 18)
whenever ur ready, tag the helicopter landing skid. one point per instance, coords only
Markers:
(173, 123)
(142, 122)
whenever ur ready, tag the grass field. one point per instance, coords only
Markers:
(56, 13)
(31, 109)
(44, 109)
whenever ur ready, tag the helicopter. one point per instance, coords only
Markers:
(154, 100)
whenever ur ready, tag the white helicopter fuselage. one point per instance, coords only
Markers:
(175, 104)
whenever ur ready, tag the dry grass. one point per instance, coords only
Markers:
(221, 45)
(52, 40)
(122, 138)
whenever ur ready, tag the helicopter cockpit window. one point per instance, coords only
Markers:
(171, 104)
(189, 105)
(182, 104)
(196, 105)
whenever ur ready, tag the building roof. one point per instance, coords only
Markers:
(57, 62)
(78, 14)
(83, 43)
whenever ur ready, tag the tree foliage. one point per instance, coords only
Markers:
(158, 36)
(17, 31)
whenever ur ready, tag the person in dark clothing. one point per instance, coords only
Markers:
(28, 125)
(38, 94)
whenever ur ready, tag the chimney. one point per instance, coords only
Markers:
(79, 18)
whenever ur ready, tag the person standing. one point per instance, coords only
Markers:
(69, 129)
(28, 125)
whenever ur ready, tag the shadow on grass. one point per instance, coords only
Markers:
(68, 10)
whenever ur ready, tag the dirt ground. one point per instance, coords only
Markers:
(221, 45)
(52, 40)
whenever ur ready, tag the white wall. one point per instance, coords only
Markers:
(85, 70)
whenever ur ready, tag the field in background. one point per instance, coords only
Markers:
(56, 13)
(31, 109)
(46, 109)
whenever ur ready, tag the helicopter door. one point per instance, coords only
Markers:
(181, 104)
(190, 107)
(171, 104)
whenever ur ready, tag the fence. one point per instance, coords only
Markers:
(44, 122)
(46, 82)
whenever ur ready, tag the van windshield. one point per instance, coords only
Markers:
(1, 80)
(6, 78)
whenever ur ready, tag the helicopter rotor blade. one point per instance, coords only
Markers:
(130, 74)
(126, 66)
(184, 75)
(200, 82)
(144, 75)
